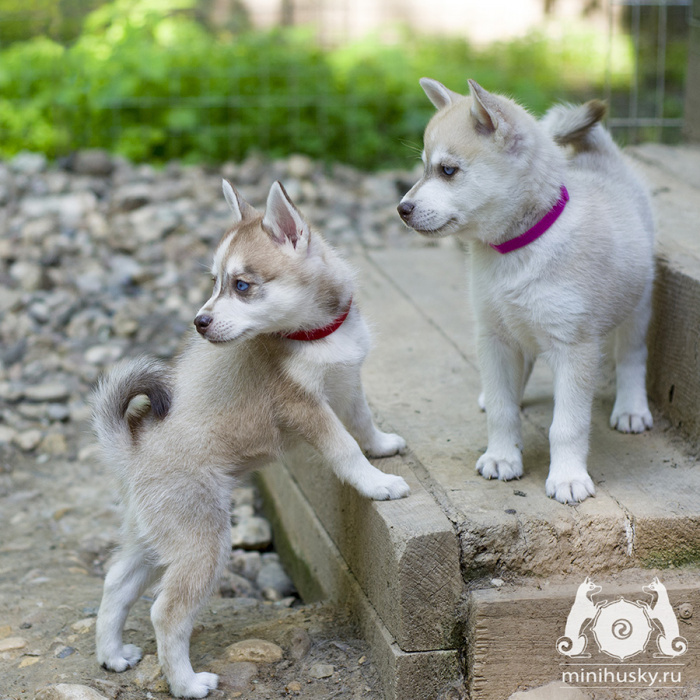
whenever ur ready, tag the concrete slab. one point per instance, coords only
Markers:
(673, 174)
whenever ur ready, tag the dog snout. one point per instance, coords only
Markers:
(405, 210)
(202, 322)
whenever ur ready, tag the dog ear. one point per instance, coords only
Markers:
(437, 93)
(283, 221)
(238, 205)
(483, 108)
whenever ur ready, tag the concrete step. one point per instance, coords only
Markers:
(418, 572)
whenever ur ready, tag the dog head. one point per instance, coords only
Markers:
(271, 274)
(478, 155)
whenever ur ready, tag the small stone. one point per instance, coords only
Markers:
(255, 650)
(293, 687)
(246, 564)
(54, 444)
(63, 652)
(299, 644)
(28, 163)
(58, 412)
(28, 440)
(497, 582)
(5, 631)
(83, 626)
(69, 691)
(238, 675)
(93, 161)
(551, 691)
(29, 661)
(253, 533)
(149, 676)
(273, 576)
(321, 671)
(233, 586)
(12, 643)
(299, 166)
(55, 391)
(103, 354)
(7, 435)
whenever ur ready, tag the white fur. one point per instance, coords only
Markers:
(589, 274)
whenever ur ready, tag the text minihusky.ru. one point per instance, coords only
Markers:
(624, 677)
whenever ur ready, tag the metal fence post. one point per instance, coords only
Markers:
(692, 86)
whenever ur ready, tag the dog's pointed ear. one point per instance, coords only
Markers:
(240, 208)
(483, 108)
(437, 93)
(283, 220)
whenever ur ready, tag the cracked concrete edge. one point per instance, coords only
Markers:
(320, 572)
(404, 554)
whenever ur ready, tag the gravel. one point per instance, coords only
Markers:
(102, 259)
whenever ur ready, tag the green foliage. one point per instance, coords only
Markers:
(146, 80)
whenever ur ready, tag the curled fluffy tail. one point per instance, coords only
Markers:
(116, 422)
(578, 126)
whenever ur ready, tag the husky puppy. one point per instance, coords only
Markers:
(561, 239)
(279, 352)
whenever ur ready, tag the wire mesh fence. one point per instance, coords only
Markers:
(208, 80)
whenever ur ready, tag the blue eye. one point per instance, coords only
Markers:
(449, 170)
(242, 286)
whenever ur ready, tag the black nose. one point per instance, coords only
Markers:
(405, 209)
(202, 322)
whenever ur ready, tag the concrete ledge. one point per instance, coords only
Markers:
(320, 571)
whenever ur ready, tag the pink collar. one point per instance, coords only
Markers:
(538, 229)
(318, 333)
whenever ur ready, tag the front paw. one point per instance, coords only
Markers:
(492, 465)
(572, 488)
(386, 487)
(386, 445)
(197, 686)
(631, 421)
(127, 657)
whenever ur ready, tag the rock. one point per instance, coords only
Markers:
(254, 533)
(149, 676)
(299, 643)
(321, 671)
(83, 626)
(551, 691)
(130, 197)
(29, 275)
(69, 691)
(103, 354)
(63, 651)
(27, 163)
(300, 167)
(246, 564)
(273, 576)
(234, 586)
(54, 444)
(7, 435)
(293, 687)
(12, 644)
(256, 651)
(93, 161)
(28, 440)
(55, 391)
(238, 675)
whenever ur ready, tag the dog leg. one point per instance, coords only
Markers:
(575, 371)
(631, 411)
(126, 580)
(349, 403)
(186, 584)
(502, 369)
(528, 364)
(323, 429)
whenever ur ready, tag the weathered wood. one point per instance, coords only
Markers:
(515, 634)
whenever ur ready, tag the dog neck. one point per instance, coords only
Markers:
(534, 232)
(318, 333)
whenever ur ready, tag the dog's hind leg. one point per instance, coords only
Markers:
(126, 580)
(631, 410)
(186, 584)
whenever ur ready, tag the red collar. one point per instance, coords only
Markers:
(318, 333)
(538, 229)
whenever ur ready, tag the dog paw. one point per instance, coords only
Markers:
(388, 487)
(570, 489)
(491, 466)
(633, 422)
(386, 445)
(197, 686)
(128, 657)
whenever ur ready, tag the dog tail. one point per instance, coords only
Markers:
(579, 126)
(116, 420)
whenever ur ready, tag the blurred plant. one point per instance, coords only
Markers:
(148, 80)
